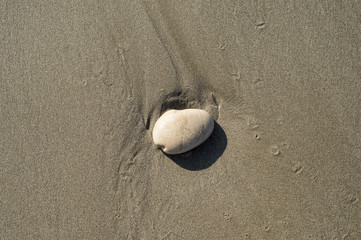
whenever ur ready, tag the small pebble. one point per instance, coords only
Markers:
(178, 131)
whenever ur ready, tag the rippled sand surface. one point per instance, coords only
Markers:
(83, 82)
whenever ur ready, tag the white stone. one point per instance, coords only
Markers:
(178, 131)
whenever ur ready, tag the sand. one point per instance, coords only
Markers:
(83, 82)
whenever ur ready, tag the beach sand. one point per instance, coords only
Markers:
(83, 82)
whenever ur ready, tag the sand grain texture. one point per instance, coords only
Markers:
(83, 82)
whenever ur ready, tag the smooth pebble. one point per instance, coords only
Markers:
(178, 131)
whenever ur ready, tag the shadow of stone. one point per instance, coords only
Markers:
(204, 155)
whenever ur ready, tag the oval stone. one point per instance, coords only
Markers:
(178, 131)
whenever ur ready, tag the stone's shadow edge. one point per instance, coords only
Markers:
(206, 154)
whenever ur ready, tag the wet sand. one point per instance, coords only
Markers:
(83, 82)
